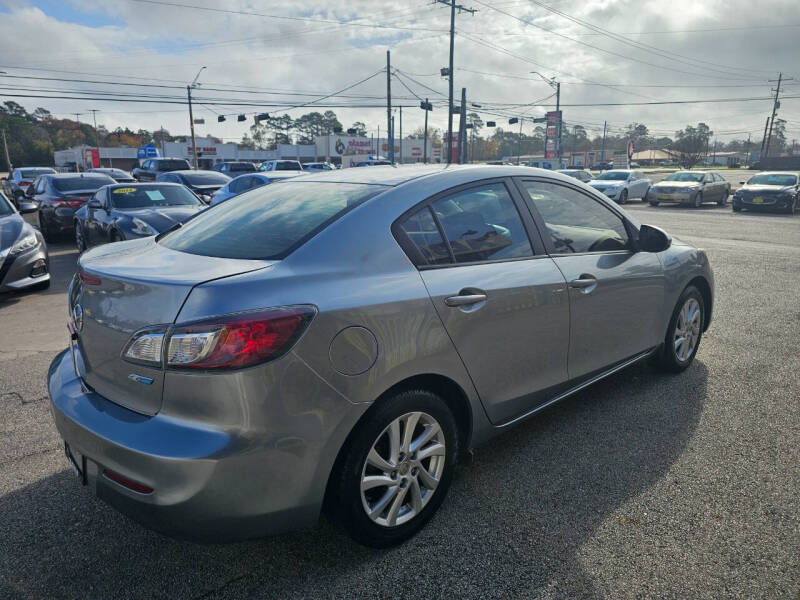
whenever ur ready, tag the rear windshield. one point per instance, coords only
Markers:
(152, 195)
(288, 165)
(685, 176)
(242, 167)
(773, 179)
(34, 173)
(172, 165)
(70, 184)
(268, 222)
(614, 176)
(206, 178)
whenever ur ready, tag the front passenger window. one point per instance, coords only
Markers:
(576, 222)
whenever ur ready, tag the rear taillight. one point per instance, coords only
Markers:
(226, 342)
(128, 483)
(238, 340)
(89, 279)
(70, 201)
(24, 183)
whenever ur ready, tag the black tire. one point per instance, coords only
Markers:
(644, 198)
(698, 200)
(116, 237)
(45, 228)
(736, 208)
(666, 358)
(345, 489)
(723, 200)
(80, 239)
(654, 203)
(792, 208)
(623, 197)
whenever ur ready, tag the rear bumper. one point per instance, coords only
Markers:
(209, 483)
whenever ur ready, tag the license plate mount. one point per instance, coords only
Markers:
(77, 461)
(663, 196)
(757, 200)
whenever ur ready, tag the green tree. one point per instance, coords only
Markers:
(360, 128)
(692, 142)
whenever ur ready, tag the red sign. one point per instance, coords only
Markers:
(92, 157)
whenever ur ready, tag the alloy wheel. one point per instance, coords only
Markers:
(403, 469)
(687, 329)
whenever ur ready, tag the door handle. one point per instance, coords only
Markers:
(587, 283)
(465, 299)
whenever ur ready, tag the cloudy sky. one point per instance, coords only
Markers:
(273, 55)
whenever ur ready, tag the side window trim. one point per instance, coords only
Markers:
(530, 227)
(540, 224)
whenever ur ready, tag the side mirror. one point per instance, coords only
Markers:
(741, 183)
(27, 208)
(29, 191)
(94, 204)
(653, 239)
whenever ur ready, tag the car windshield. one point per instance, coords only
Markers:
(33, 173)
(131, 196)
(206, 178)
(288, 165)
(614, 176)
(269, 222)
(773, 179)
(241, 167)
(686, 176)
(70, 184)
(5, 206)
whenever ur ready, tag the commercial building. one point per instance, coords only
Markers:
(348, 151)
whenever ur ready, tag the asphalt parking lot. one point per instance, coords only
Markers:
(644, 485)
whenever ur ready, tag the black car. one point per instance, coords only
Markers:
(152, 167)
(124, 212)
(234, 168)
(117, 175)
(769, 190)
(202, 183)
(23, 254)
(58, 197)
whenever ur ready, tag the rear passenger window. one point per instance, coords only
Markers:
(482, 223)
(424, 235)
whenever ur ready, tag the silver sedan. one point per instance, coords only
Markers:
(342, 338)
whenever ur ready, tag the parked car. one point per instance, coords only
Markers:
(770, 191)
(280, 165)
(124, 212)
(17, 182)
(233, 169)
(691, 188)
(622, 184)
(117, 175)
(348, 335)
(603, 166)
(374, 163)
(318, 166)
(24, 263)
(579, 174)
(152, 167)
(202, 183)
(59, 196)
(244, 183)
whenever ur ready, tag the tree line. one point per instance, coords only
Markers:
(32, 137)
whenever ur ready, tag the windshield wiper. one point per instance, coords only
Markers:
(171, 229)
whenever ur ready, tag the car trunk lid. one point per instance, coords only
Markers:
(123, 288)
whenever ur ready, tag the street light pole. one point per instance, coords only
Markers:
(189, 89)
(94, 112)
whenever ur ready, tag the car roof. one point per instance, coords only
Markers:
(145, 184)
(457, 174)
(795, 173)
(191, 171)
(88, 175)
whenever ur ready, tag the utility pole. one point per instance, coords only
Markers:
(189, 89)
(519, 143)
(747, 150)
(560, 121)
(401, 134)
(8, 159)
(426, 106)
(775, 106)
(453, 6)
(389, 128)
(462, 126)
(603, 148)
(763, 140)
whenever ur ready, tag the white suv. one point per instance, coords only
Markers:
(280, 165)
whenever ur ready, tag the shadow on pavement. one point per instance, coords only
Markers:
(516, 517)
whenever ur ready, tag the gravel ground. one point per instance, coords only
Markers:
(645, 485)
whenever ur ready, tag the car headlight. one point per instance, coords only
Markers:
(786, 195)
(29, 242)
(142, 228)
